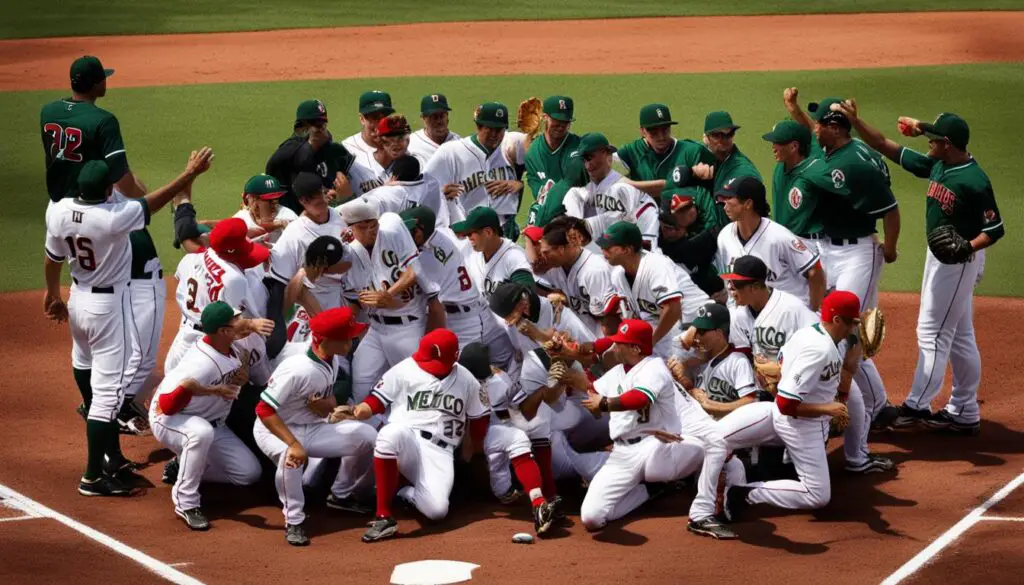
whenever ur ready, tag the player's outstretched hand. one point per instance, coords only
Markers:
(665, 436)
(789, 97)
(199, 161)
(847, 108)
(592, 403)
(295, 456)
(703, 171)
(908, 126)
(55, 309)
(262, 326)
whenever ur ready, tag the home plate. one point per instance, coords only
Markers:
(432, 573)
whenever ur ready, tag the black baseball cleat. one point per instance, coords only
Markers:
(874, 464)
(942, 419)
(885, 418)
(909, 417)
(710, 526)
(543, 518)
(735, 501)
(194, 519)
(558, 508)
(510, 497)
(124, 472)
(295, 534)
(170, 476)
(82, 411)
(348, 504)
(104, 486)
(381, 529)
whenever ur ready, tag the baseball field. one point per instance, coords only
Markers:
(229, 75)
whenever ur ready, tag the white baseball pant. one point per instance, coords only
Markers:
(148, 299)
(805, 442)
(502, 444)
(383, 347)
(699, 426)
(101, 341)
(427, 463)
(855, 437)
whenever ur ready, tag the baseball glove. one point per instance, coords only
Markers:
(529, 117)
(872, 331)
(768, 373)
(837, 426)
(948, 246)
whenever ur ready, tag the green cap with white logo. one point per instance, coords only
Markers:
(492, 115)
(788, 131)
(264, 186)
(216, 315)
(948, 126)
(559, 107)
(435, 102)
(654, 115)
(375, 101)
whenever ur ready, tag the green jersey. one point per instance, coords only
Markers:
(960, 195)
(864, 175)
(143, 254)
(736, 165)
(646, 165)
(546, 166)
(549, 205)
(801, 194)
(74, 133)
(710, 214)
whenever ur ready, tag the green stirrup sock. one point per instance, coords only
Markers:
(97, 434)
(82, 379)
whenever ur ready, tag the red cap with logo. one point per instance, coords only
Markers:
(438, 352)
(534, 233)
(840, 303)
(393, 125)
(338, 324)
(229, 239)
(633, 332)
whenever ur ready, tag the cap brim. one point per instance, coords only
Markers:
(356, 329)
(603, 242)
(771, 137)
(734, 276)
(257, 255)
(562, 117)
(731, 127)
(461, 227)
(929, 130)
(609, 148)
(108, 72)
(493, 124)
(703, 323)
(659, 124)
(435, 110)
(726, 194)
(374, 109)
(272, 196)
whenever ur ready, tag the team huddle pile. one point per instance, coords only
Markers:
(368, 316)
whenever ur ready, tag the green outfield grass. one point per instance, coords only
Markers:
(245, 122)
(28, 19)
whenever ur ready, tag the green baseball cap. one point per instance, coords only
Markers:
(506, 296)
(492, 115)
(718, 122)
(654, 115)
(435, 102)
(788, 131)
(375, 101)
(822, 111)
(419, 217)
(712, 316)
(678, 199)
(592, 141)
(216, 315)
(93, 181)
(264, 186)
(478, 219)
(621, 233)
(86, 72)
(559, 107)
(949, 126)
(311, 111)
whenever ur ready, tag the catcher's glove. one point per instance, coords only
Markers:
(837, 426)
(948, 246)
(768, 373)
(529, 117)
(871, 331)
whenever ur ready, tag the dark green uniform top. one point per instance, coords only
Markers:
(295, 155)
(646, 165)
(695, 251)
(74, 133)
(801, 194)
(549, 205)
(544, 166)
(863, 173)
(735, 166)
(960, 195)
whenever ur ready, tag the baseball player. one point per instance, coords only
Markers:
(434, 405)
(424, 142)
(374, 168)
(658, 291)
(959, 195)
(189, 410)
(688, 234)
(261, 210)
(727, 381)
(650, 159)
(224, 275)
(291, 424)
(91, 232)
(806, 401)
(607, 198)
(802, 184)
(640, 396)
(533, 318)
(545, 159)
(387, 281)
(719, 135)
(373, 106)
(494, 258)
(792, 266)
(408, 188)
(475, 172)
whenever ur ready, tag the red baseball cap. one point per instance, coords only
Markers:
(230, 241)
(438, 352)
(338, 324)
(840, 303)
(534, 233)
(393, 125)
(633, 332)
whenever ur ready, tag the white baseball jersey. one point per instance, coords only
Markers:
(500, 391)
(765, 334)
(356, 145)
(533, 377)
(296, 381)
(589, 287)
(259, 365)
(206, 277)
(655, 283)
(283, 214)
(488, 274)
(366, 174)
(289, 254)
(728, 377)
(403, 195)
(443, 263)
(613, 200)
(423, 148)
(208, 367)
(650, 376)
(514, 146)
(785, 255)
(811, 365)
(94, 238)
(380, 267)
(465, 162)
(425, 403)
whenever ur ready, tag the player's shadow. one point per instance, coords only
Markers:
(157, 456)
(983, 450)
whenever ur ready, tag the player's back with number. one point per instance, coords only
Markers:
(94, 238)
(73, 133)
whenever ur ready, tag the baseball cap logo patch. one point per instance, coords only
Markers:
(320, 107)
(661, 115)
(703, 311)
(499, 113)
(269, 183)
(434, 98)
(624, 328)
(561, 104)
(728, 185)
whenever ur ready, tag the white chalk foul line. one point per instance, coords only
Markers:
(1001, 518)
(976, 515)
(160, 568)
(16, 518)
